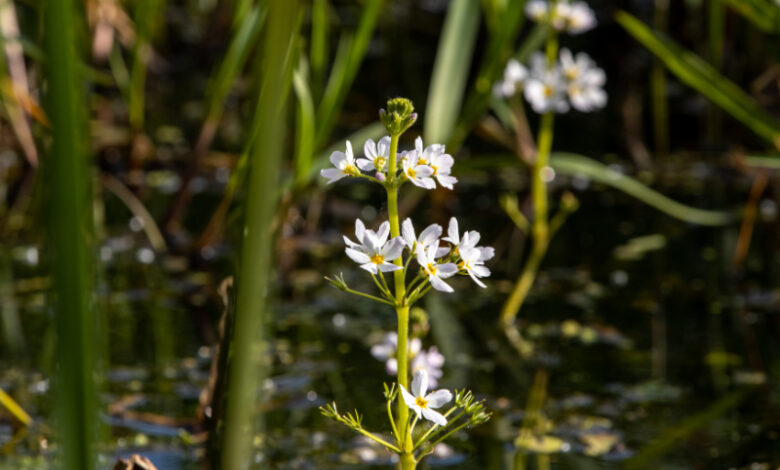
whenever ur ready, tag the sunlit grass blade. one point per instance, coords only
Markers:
(16, 411)
(352, 50)
(572, 164)
(451, 69)
(764, 14)
(697, 73)
(69, 236)
(249, 348)
(304, 126)
(764, 161)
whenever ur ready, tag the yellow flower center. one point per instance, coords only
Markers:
(571, 73)
(548, 91)
(431, 269)
(422, 161)
(435, 169)
(410, 172)
(377, 259)
(421, 402)
(379, 162)
(351, 170)
(464, 265)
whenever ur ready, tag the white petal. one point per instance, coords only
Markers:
(349, 155)
(434, 416)
(441, 252)
(369, 149)
(420, 383)
(476, 279)
(481, 271)
(364, 164)
(409, 399)
(430, 234)
(422, 171)
(446, 270)
(383, 232)
(370, 267)
(446, 181)
(486, 253)
(357, 256)
(360, 230)
(382, 351)
(333, 174)
(452, 232)
(414, 346)
(389, 267)
(440, 285)
(438, 398)
(337, 158)
(393, 249)
(391, 366)
(407, 230)
(383, 147)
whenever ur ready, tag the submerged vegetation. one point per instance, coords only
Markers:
(177, 180)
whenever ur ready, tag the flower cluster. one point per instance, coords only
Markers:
(375, 253)
(430, 360)
(574, 80)
(422, 166)
(572, 17)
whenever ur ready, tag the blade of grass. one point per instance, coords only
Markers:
(70, 236)
(249, 348)
(451, 69)
(764, 14)
(697, 73)
(304, 127)
(352, 50)
(573, 164)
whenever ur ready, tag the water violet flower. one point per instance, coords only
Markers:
(376, 155)
(431, 361)
(545, 88)
(585, 81)
(580, 18)
(472, 263)
(386, 351)
(344, 164)
(424, 403)
(436, 272)
(514, 76)
(374, 252)
(427, 237)
(419, 174)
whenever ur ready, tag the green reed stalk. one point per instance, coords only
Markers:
(70, 236)
(248, 356)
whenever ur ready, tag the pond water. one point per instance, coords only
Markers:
(650, 349)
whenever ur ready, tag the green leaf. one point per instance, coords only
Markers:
(349, 57)
(764, 14)
(573, 164)
(304, 127)
(451, 69)
(697, 73)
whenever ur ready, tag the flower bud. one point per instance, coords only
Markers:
(399, 115)
(380, 177)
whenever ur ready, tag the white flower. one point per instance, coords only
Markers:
(386, 351)
(514, 76)
(426, 257)
(585, 81)
(344, 164)
(580, 18)
(376, 155)
(545, 88)
(469, 240)
(441, 164)
(416, 171)
(424, 403)
(373, 251)
(537, 9)
(431, 361)
(427, 236)
(472, 263)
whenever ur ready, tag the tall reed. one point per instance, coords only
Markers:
(248, 350)
(70, 235)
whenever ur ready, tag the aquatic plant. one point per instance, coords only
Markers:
(554, 82)
(390, 249)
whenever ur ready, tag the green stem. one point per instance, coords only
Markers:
(368, 296)
(540, 228)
